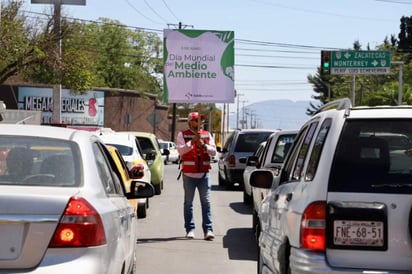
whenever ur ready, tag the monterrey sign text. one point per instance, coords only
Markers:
(360, 62)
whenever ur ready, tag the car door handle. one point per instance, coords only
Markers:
(289, 197)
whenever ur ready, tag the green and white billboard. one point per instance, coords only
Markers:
(198, 66)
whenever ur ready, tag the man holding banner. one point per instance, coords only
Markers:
(195, 147)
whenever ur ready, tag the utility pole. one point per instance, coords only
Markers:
(252, 114)
(244, 121)
(237, 112)
(400, 81)
(56, 116)
(57, 88)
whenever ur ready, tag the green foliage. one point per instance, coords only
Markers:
(371, 89)
(104, 54)
(20, 43)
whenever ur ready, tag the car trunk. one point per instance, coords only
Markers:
(28, 219)
(357, 232)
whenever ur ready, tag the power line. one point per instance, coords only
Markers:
(142, 14)
(154, 11)
(177, 19)
(396, 2)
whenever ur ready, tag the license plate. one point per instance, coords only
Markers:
(10, 241)
(358, 233)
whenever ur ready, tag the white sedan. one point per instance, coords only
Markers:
(62, 206)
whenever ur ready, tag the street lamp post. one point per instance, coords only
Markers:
(56, 118)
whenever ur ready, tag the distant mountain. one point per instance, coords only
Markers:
(278, 114)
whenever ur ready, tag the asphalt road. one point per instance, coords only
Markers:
(163, 248)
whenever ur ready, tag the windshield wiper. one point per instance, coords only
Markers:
(392, 185)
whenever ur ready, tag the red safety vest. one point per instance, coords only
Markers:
(196, 160)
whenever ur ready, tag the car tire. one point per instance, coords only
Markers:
(221, 181)
(247, 199)
(158, 189)
(259, 262)
(133, 269)
(141, 211)
(255, 221)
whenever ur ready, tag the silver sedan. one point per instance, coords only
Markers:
(63, 209)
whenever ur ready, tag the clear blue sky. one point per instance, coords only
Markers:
(278, 43)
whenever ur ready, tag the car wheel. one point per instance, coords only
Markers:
(158, 189)
(133, 267)
(141, 211)
(147, 202)
(221, 181)
(257, 233)
(259, 262)
(255, 220)
(247, 199)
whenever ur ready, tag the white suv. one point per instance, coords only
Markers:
(343, 200)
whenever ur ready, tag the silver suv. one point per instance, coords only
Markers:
(343, 200)
(239, 144)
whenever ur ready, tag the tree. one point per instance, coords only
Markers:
(124, 58)
(405, 37)
(105, 54)
(74, 68)
(21, 43)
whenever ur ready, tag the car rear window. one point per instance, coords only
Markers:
(249, 142)
(373, 156)
(38, 161)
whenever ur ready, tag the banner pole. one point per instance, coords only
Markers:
(199, 122)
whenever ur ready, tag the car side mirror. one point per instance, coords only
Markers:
(140, 189)
(261, 179)
(252, 161)
(165, 152)
(150, 155)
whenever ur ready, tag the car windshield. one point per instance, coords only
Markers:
(374, 156)
(38, 161)
(163, 145)
(249, 142)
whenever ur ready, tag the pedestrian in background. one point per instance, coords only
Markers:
(195, 147)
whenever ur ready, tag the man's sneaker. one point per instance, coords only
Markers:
(190, 235)
(209, 236)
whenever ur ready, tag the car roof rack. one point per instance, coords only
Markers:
(338, 104)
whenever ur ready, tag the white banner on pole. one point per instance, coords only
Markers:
(198, 66)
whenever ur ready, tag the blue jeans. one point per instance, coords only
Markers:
(203, 185)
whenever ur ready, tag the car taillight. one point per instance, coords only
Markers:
(232, 161)
(313, 230)
(80, 226)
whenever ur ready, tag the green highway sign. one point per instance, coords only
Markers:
(360, 62)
